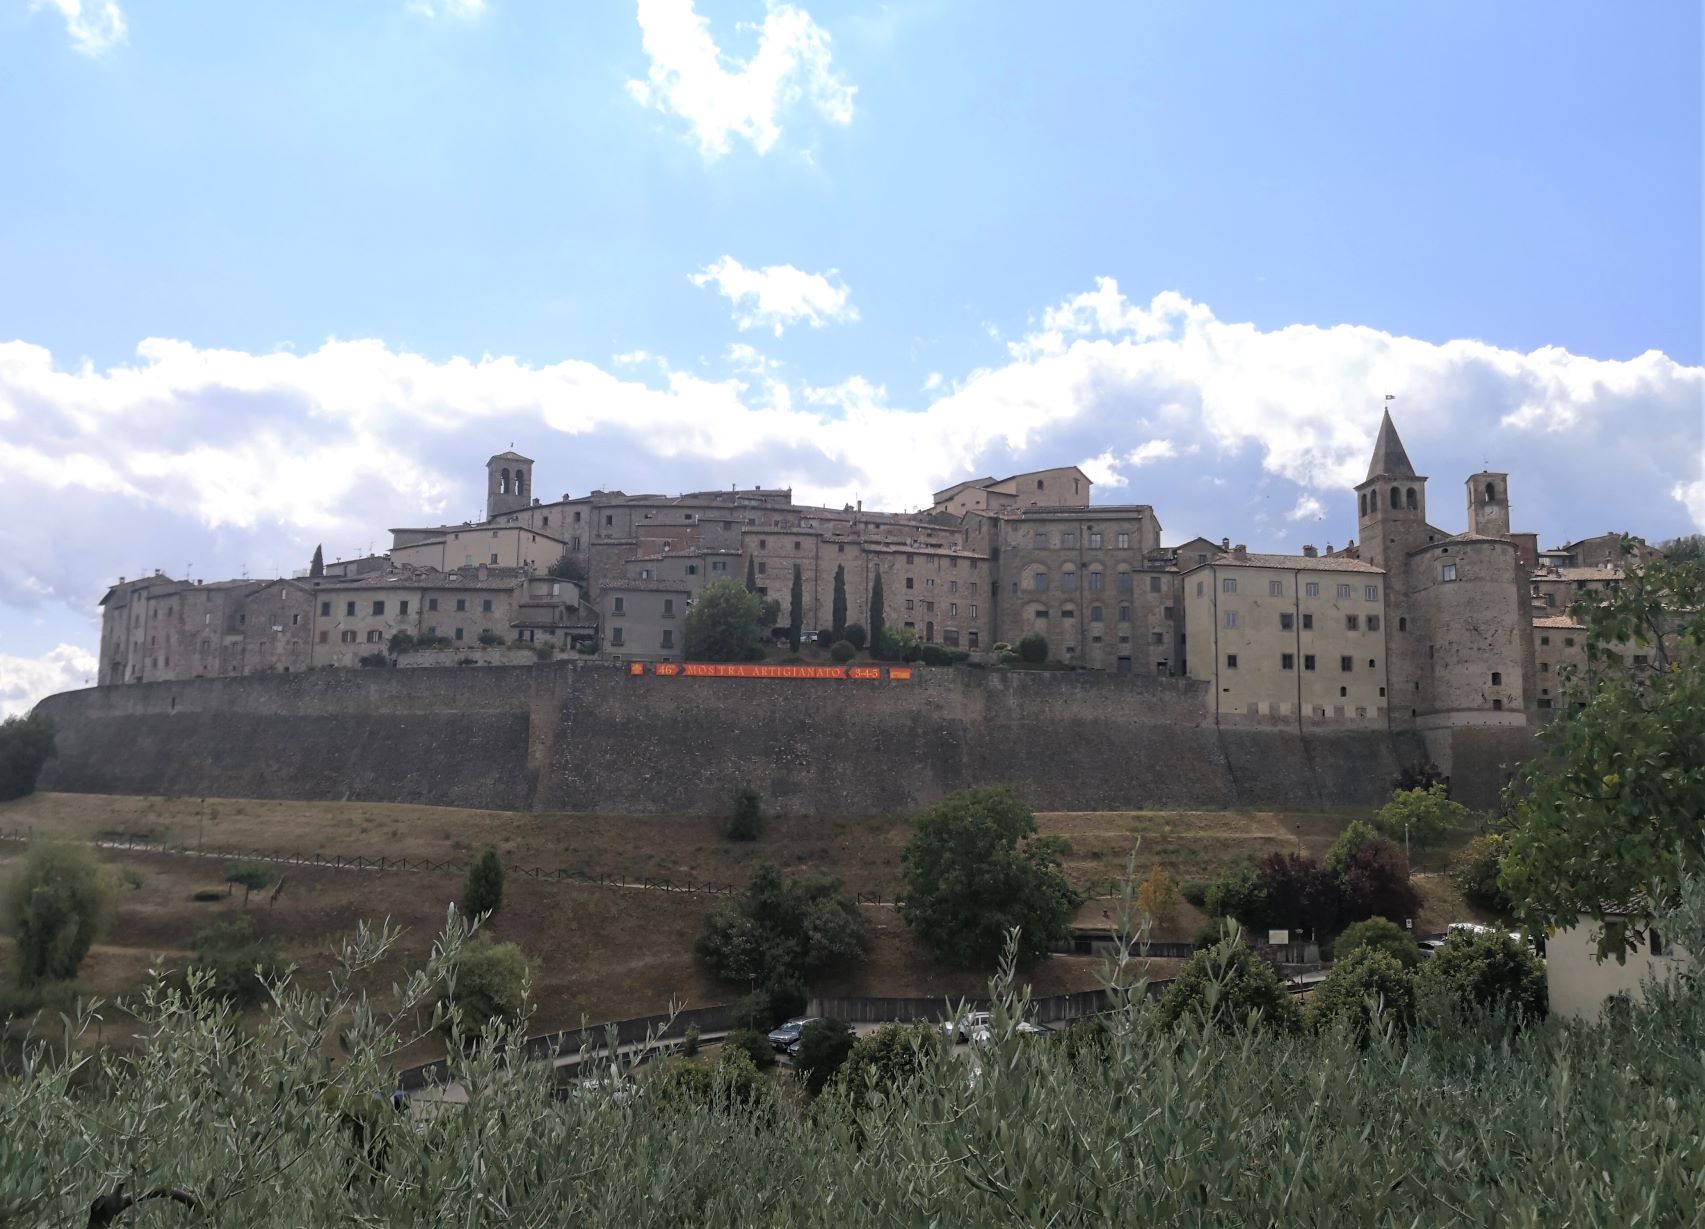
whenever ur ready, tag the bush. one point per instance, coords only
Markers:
(756, 1046)
(374, 661)
(250, 876)
(935, 655)
(776, 930)
(483, 890)
(854, 635)
(1157, 898)
(490, 639)
(490, 984)
(690, 1041)
(1212, 931)
(974, 870)
(1428, 815)
(238, 961)
(1196, 892)
(1365, 990)
(823, 1049)
(1299, 893)
(1241, 896)
(842, 650)
(586, 648)
(723, 624)
(26, 743)
(732, 1083)
(1483, 971)
(1033, 648)
(1474, 870)
(1378, 934)
(566, 568)
(401, 642)
(545, 651)
(825, 637)
(55, 905)
(1374, 881)
(888, 1058)
(896, 644)
(1221, 985)
(747, 820)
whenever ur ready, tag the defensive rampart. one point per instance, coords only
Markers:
(585, 736)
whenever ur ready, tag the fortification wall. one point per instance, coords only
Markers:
(586, 736)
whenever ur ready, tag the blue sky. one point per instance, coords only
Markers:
(277, 274)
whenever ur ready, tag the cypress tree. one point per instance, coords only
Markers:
(318, 566)
(796, 609)
(876, 615)
(751, 574)
(484, 890)
(838, 628)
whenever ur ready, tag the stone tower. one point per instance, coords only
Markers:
(1391, 505)
(1489, 504)
(508, 484)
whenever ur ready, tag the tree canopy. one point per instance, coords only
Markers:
(778, 929)
(26, 744)
(56, 903)
(1425, 816)
(974, 870)
(483, 890)
(723, 625)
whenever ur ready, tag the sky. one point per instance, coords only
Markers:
(280, 275)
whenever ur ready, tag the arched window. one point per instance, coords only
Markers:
(1403, 623)
(521, 482)
(1396, 499)
(1409, 498)
(1039, 580)
(1068, 581)
(1364, 503)
(1491, 492)
(503, 482)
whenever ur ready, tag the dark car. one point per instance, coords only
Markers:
(786, 1035)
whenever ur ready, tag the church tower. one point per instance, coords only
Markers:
(508, 484)
(1489, 504)
(1391, 504)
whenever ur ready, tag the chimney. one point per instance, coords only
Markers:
(1240, 551)
(481, 572)
(1311, 552)
(1225, 543)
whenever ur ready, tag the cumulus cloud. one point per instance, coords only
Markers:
(778, 295)
(24, 680)
(220, 462)
(721, 97)
(94, 27)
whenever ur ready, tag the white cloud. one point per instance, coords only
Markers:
(1103, 471)
(24, 680)
(1151, 451)
(778, 295)
(1692, 496)
(466, 10)
(93, 26)
(1308, 508)
(721, 97)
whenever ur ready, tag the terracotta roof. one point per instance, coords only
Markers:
(1563, 621)
(429, 578)
(646, 586)
(1615, 573)
(1301, 563)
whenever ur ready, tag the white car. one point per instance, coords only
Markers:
(967, 1024)
(985, 1033)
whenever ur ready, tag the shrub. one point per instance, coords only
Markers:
(1239, 895)
(690, 1041)
(896, 644)
(723, 624)
(490, 984)
(545, 651)
(26, 743)
(1299, 893)
(776, 929)
(1158, 898)
(1212, 931)
(1000, 646)
(823, 1049)
(1474, 870)
(1378, 934)
(250, 876)
(842, 650)
(1196, 892)
(1374, 881)
(888, 1058)
(586, 648)
(489, 638)
(1033, 648)
(934, 655)
(732, 1083)
(974, 870)
(54, 906)
(374, 661)
(1364, 990)
(1428, 815)
(566, 568)
(756, 1046)
(401, 642)
(1222, 985)
(854, 635)
(747, 819)
(483, 890)
(238, 961)
(1485, 971)
(825, 637)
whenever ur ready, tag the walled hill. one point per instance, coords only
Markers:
(589, 737)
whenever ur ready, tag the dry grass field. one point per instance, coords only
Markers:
(599, 952)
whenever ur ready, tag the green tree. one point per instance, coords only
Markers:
(974, 870)
(1227, 985)
(796, 610)
(55, 905)
(723, 625)
(1610, 809)
(823, 1049)
(1033, 648)
(1364, 990)
(896, 644)
(1689, 548)
(756, 1046)
(26, 744)
(567, 568)
(888, 1058)
(317, 565)
(751, 574)
(747, 821)
(878, 613)
(483, 891)
(489, 984)
(402, 641)
(1356, 833)
(250, 876)
(1240, 896)
(1485, 971)
(1424, 816)
(1474, 870)
(838, 610)
(1158, 898)
(842, 651)
(779, 929)
(1378, 934)
(237, 960)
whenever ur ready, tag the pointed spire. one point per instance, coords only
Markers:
(1389, 459)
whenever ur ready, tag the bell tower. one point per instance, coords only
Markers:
(1391, 503)
(1489, 504)
(508, 484)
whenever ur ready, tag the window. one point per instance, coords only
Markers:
(295, 620)
(1122, 541)
(432, 603)
(1198, 588)
(1497, 679)
(461, 603)
(402, 607)
(1403, 623)
(1545, 640)
(1371, 593)
(762, 570)
(1497, 706)
(1095, 614)
(909, 584)
(909, 604)
(1449, 571)
(1351, 623)
(1038, 484)
(1094, 541)
(1068, 613)
(615, 635)
(1287, 661)
(668, 609)
(348, 609)
(324, 637)
(1545, 667)
(973, 615)
(458, 633)
(617, 608)
(1308, 623)
(1124, 582)
(971, 637)
(1343, 593)
(1228, 585)
(608, 519)
(1275, 588)
(797, 544)
(378, 608)
(1039, 582)
(1568, 642)
(1068, 541)
(1231, 618)
(1068, 581)
(486, 605)
(1157, 637)
(1308, 661)
(1287, 622)
(1373, 623)
(325, 610)
(494, 557)
(348, 637)
(1346, 664)
(668, 637)
(1312, 589)
(1096, 579)
(1640, 659)
(375, 636)
(1041, 539)
(1231, 661)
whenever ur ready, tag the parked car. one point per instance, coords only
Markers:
(785, 1036)
(962, 1028)
(985, 1033)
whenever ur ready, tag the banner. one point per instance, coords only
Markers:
(737, 670)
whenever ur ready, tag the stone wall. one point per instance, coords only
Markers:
(587, 736)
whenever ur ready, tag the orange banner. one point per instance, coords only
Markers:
(716, 670)
(899, 673)
(637, 667)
